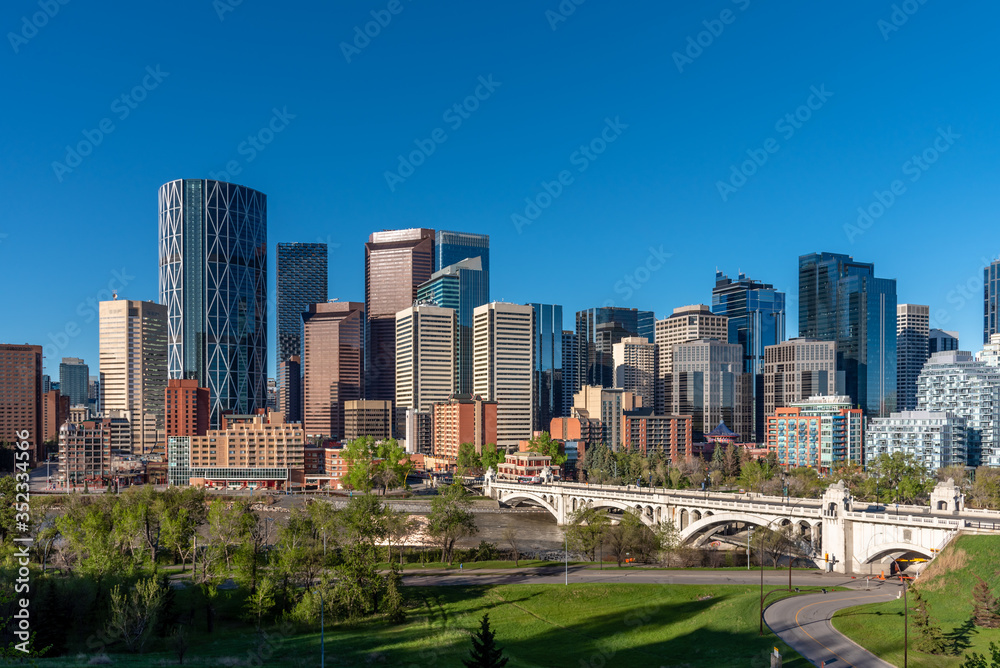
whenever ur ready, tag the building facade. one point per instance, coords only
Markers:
(940, 341)
(397, 262)
(74, 380)
(820, 433)
(462, 287)
(841, 300)
(709, 384)
(290, 387)
(991, 294)
(504, 360)
(912, 345)
(367, 417)
(425, 358)
(954, 382)
(463, 419)
(332, 365)
(647, 433)
(606, 406)
(187, 407)
(301, 281)
(756, 313)
(548, 366)
(251, 451)
(798, 369)
(213, 280)
(686, 323)
(935, 439)
(21, 399)
(133, 364)
(570, 370)
(55, 413)
(597, 330)
(635, 367)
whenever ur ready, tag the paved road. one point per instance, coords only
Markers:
(556, 575)
(804, 623)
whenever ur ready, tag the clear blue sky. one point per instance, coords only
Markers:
(655, 186)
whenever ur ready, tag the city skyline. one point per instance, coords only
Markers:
(675, 139)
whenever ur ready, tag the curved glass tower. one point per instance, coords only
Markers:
(213, 280)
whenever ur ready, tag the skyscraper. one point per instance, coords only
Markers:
(841, 300)
(708, 383)
(397, 262)
(991, 295)
(912, 334)
(756, 314)
(134, 368)
(503, 364)
(597, 330)
(453, 247)
(939, 341)
(425, 358)
(301, 280)
(21, 398)
(570, 370)
(74, 380)
(797, 369)
(332, 365)
(635, 367)
(213, 280)
(548, 368)
(686, 323)
(462, 287)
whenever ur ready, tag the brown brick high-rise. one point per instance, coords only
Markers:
(21, 395)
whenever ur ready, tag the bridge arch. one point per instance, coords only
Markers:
(519, 496)
(884, 549)
(709, 520)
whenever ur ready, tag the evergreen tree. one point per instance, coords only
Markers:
(984, 606)
(485, 653)
(979, 661)
(930, 638)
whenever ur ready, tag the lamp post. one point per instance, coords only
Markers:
(761, 629)
(322, 637)
(566, 538)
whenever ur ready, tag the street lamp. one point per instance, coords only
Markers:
(322, 638)
(761, 629)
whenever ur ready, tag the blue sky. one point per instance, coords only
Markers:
(642, 201)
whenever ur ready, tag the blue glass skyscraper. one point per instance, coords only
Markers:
(598, 329)
(756, 314)
(841, 300)
(461, 286)
(548, 372)
(453, 247)
(213, 280)
(301, 281)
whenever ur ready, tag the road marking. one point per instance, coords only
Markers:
(851, 598)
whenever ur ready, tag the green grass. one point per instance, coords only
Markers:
(711, 626)
(478, 565)
(947, 587)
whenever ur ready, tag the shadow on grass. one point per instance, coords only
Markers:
(961, 636)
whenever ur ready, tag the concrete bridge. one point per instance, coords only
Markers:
(846, 536)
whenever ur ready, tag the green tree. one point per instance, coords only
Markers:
(510, 537)
(468, 461)
(360, 455)
(451, 518)
(630, 538)
(669, 537)
(260, 602)
(361, 589)
(985, 489)
(491, 457)
(586, 529)
(544, 444)
(898, 477)
(930, 638)
(979, 661)
(485, 653)
(134, 613)
(392, 465)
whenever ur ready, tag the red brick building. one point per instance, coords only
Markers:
(21, 398)
(670, 434)
(187, 408)
(55, 412)
(463, 419)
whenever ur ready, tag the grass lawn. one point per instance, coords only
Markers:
(477, 565)
(947, 587)
(551, 626)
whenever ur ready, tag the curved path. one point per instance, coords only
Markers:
(803, 622)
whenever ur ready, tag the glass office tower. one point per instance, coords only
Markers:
(452, 247)
(598, 329)
(841, 300)
(213, 280)
(548, 371)
(756, 314)
(301, 281)
(461, 286)
(991, 293)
